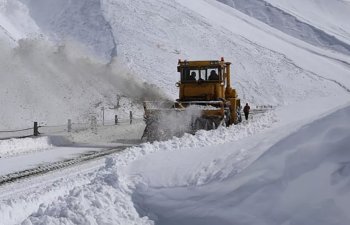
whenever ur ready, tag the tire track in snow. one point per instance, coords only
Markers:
(55, 166)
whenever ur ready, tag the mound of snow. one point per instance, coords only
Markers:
(302, 179)
(107, 198)
(13, 147)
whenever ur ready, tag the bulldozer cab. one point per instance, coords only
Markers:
(202, 80)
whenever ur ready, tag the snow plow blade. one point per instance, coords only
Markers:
(165, 119)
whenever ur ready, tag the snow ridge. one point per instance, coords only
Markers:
(288, 23)
(13, 147)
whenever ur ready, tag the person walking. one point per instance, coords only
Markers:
(246, 110)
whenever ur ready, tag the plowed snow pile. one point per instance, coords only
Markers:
(250, 179)
(302, 179)
(14, 147)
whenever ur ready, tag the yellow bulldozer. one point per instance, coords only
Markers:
(206, 101)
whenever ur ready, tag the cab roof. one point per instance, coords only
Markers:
(203, 63)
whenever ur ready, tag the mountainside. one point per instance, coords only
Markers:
(150, 38)
(52, 58)
(332, 34)
(329, 16)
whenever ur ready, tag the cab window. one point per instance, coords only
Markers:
(201, 74)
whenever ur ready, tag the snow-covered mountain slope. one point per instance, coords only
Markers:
(80, 20)
(16, 23)
(329, 16)
(51, 84)
(296, 26)
(269, 67)
(171, 31)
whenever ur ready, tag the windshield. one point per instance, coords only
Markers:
(201, 74)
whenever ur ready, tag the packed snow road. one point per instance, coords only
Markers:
(40, 163)
(25, 157)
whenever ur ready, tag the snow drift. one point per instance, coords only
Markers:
(297, 180)
(107, 197)
(13, 147)
(302, 179)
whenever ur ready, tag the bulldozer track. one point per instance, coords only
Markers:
(43, 169)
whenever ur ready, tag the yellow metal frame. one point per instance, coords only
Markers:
(210, 90)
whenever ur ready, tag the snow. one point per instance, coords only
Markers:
(288, 165)
(80, 20)
(41, 157)
(295, 26)
(14, 146)
(330, 16)
(165, 184)
(45, 150)
(12, 28)
(79, 85)
(259, 74)
(301, 179)
(269, 67)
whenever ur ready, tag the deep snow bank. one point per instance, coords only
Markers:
(13, 147)
(107, 198)
(302, 179)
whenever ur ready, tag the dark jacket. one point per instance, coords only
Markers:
(246, 109)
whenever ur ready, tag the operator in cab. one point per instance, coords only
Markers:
(213, 75)
(192, 76)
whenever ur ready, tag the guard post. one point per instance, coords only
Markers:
(130, 117)
(115, 119)
(36, 129)
(69, 127)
